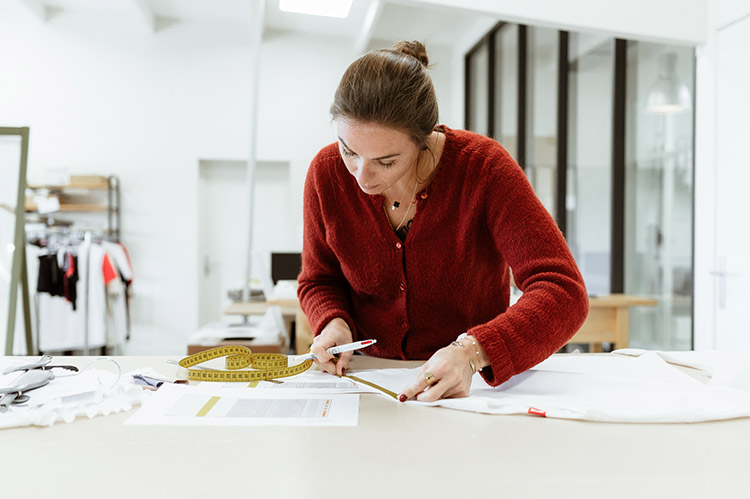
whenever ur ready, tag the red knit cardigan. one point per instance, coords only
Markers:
(478, 216)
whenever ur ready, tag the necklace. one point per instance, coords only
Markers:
(408, 207)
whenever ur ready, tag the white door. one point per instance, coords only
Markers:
(732, 262)
(223, 228)
(222, 225)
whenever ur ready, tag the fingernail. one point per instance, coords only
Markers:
(402, 398)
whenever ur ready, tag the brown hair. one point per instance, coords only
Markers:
(390, 87)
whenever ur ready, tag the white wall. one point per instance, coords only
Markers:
(102, 96)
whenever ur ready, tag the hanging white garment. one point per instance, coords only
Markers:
(116, 251)
(96, 299)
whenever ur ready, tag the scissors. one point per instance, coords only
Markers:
(42, 363)
(34, 378)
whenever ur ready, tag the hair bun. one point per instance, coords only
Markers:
(415, 49)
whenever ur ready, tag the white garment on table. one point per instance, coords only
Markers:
(612, 388)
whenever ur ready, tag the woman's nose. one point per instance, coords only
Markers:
(364, 174)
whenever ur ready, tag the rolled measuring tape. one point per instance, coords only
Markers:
(264, 365)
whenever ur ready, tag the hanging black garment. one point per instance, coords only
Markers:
(50, 276)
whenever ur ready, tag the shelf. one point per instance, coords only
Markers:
(77, 182)
(99, 186)
(70, 208)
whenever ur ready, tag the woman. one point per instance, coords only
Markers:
(410, 229)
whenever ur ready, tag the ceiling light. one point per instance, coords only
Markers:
(328, 8)
(668, 95)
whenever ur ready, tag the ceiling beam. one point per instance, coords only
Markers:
(38, 8)
(368, 27)
(146, 15)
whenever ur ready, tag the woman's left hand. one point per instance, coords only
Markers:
(446, 374)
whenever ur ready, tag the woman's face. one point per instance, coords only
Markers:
(377, 156)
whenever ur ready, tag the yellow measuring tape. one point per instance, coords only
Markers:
(264, 365)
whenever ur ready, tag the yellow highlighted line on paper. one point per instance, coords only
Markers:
(209, 405)
(252, 384)
(326, 407)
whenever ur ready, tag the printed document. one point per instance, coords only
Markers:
(214, 405)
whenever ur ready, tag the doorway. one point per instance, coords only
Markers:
(222, 227)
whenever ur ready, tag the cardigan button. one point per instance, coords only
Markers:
(424, 195)
(402, 286)
(398, 245)
(405, 325)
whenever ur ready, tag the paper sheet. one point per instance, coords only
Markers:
(311, 381)
(180, 405)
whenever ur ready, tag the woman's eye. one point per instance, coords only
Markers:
(387, 165)
(349, 153)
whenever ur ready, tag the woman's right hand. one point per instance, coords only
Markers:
(336, 332)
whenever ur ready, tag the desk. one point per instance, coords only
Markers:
(396, 451)
(290, 309)
(607, 321)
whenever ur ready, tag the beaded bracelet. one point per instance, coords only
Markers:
(457, 342)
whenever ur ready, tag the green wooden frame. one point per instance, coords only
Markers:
(19, 271)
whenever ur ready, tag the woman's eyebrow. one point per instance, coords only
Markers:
(387, 156)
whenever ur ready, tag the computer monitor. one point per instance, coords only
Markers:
(285, 266)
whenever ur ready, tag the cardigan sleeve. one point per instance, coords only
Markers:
(323, 291)
(554, 303)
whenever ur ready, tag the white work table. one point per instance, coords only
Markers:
(397, 450)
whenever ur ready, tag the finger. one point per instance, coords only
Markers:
(433, 392)
(416, 386)
(343, 363)
(320, 348)
(328, 367)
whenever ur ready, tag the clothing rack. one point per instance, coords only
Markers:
(61, 236)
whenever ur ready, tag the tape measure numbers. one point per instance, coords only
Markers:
(264, 365)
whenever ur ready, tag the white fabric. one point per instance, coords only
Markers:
(613, 388)
(727, 369)
(69, 396)
(97, 299)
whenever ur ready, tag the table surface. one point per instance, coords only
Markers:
(397, 450)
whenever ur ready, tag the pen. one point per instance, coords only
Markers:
(348, 347)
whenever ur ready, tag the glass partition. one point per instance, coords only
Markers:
(478, 91)
(506, 88)
(659, 193)
(589, 189)
(541, 84)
